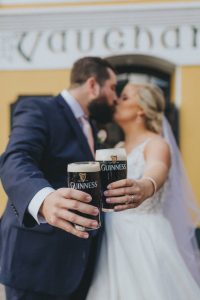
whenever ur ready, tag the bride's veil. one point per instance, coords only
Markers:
(181, 208)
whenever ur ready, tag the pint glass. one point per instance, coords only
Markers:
(85, 176)
(113, 164)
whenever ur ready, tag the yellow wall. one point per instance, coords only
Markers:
(190, 124)
(14, 84)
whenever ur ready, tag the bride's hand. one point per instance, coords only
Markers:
(128, 193)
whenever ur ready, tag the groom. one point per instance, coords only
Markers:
(42, 256)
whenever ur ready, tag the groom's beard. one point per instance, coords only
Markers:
(100, 110)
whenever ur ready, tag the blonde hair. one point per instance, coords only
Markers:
(151, 100)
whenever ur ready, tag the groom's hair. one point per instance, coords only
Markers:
(87, 67)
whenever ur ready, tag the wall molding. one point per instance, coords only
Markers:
(32, 2)
(96, 16)
(45, 38)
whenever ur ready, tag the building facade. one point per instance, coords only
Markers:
(147, 41)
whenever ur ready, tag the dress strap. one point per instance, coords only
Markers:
(143, 144)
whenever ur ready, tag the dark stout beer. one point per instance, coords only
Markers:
(113, 165)
(85, 176)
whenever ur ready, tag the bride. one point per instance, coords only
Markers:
(147, 250)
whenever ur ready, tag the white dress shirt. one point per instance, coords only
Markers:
(39, 197)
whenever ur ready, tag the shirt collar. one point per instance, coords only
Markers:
(73, 104)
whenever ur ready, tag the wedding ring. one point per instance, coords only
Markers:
(131, 197)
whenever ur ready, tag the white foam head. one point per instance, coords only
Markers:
(106, 154)
(87, 166)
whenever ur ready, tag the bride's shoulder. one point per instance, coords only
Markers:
(157, 144)
(156, 139)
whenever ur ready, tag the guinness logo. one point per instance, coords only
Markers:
(82, 176)
(114, 158)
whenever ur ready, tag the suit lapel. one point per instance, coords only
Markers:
(75, 126)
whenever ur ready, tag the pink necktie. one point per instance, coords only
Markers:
(88, 132)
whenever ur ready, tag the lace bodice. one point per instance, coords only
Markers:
(136, 164)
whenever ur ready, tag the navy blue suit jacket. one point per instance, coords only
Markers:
(45, 137)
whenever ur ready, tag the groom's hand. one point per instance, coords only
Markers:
(59, 210)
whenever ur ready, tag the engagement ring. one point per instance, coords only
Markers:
(131, 201)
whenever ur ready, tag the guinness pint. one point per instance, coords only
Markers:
(85, 176)
(113, 165)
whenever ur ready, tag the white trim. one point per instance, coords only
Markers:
(99, 16)
(53, 38)
(103, 8)
(31, 2)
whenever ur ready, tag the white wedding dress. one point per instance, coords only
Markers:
(139, 258)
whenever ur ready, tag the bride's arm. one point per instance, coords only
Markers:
(131, 193)
(157, 157)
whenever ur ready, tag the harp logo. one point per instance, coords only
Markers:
(114, 158)
(82, 176)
